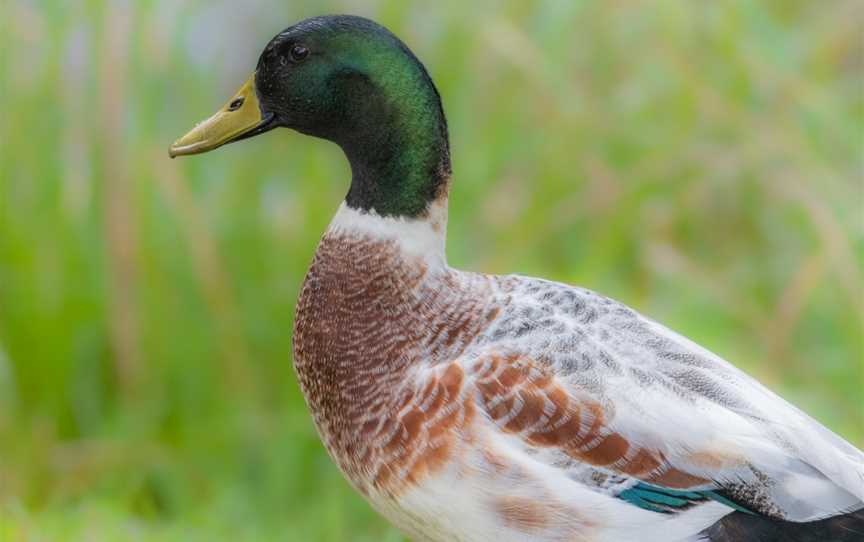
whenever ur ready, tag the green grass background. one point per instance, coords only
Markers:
(700, 161)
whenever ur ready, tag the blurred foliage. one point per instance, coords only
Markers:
(698, 160)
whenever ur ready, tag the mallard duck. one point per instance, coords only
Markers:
(474, 407)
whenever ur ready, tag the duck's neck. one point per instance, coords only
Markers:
(395, 138)
(423, 236)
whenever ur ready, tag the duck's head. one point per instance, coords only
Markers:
(351, 81)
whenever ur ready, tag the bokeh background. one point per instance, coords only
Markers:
(700, 161)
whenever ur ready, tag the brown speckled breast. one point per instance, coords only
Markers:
(368, 320)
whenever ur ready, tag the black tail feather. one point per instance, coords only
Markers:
(740, 527)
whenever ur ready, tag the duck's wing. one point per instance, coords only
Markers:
(592, 387)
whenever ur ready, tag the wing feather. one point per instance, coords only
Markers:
(588, 379)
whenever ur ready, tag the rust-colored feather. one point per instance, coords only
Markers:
(522, 397)
(369, 325)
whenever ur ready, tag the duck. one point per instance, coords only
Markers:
(474, 407)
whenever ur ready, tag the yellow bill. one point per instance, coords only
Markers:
(238, 117)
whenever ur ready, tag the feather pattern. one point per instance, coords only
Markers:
(478, 407)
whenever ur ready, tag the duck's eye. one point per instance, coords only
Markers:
(235, 104)
(298, 53)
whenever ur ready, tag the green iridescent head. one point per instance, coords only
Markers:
(351, 81)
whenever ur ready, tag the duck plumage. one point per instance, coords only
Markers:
(550, 411)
